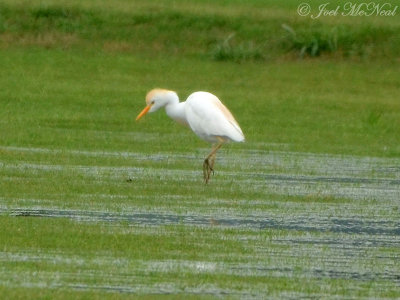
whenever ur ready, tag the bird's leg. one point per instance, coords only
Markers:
(205, 171)
(208, 165)
(211, 162)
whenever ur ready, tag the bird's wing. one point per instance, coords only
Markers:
(227, 114)
(209, 118)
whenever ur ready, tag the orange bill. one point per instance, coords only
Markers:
(143, 112)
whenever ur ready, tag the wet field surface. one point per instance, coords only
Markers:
(330, 220)
(350, 226)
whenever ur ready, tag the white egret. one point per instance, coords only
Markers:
(204, 113)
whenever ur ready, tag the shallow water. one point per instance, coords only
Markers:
(333, 224)
(344, 226)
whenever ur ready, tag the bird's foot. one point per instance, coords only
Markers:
(207, 170)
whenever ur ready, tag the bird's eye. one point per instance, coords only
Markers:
(152, 102)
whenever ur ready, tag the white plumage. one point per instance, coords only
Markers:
(204, 113)
(210, 119)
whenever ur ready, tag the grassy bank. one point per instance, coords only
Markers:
(228, 32)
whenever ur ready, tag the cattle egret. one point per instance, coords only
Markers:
(204, 113)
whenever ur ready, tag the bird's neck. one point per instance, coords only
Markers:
(176, 110)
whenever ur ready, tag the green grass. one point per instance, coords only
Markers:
(339, 107)
(241, 33)
(94, 204)
(137, 258)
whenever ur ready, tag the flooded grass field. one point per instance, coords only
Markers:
(94, 205)
(285, 224)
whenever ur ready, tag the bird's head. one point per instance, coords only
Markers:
(157, 98)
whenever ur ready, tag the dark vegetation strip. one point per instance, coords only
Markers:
(338, 225)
